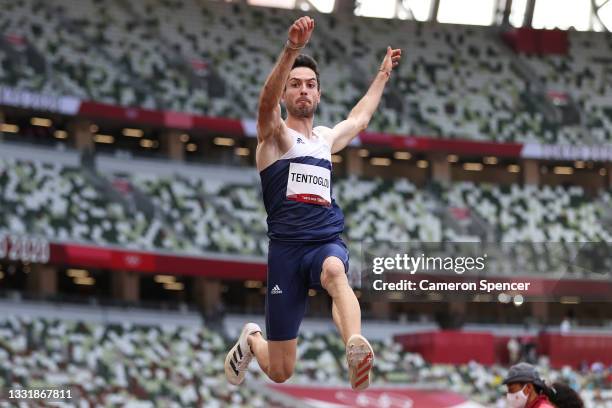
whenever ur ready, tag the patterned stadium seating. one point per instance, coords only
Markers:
(201, 215)
(538, 214)
(212, 57)
(581, 76)
(117, 364)
(60, 203)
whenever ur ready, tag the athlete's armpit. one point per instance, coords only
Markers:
(342, 134)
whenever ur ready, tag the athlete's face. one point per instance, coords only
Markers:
(302, 95)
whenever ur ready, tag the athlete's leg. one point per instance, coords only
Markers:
(345, 307)
(332, 263)
(275, 358)
(286, 300)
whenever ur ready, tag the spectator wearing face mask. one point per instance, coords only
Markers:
(525, 388)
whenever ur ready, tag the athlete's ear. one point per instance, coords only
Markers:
(319, 95)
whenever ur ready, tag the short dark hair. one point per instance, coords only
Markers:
(307, 61)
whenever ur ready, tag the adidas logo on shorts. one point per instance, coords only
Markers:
(276, 290)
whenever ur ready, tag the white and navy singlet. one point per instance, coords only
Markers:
(297, 192)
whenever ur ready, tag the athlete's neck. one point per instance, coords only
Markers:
(300, 125)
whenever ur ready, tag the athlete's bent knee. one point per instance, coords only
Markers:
(282, 356)
(333, 273)
(280, 376)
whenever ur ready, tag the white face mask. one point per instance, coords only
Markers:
(516, 399)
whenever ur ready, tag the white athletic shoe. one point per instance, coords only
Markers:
(239, 357)
(360, 359)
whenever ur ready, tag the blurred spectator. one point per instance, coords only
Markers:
(525, 388)
(528, 349)
(514, 350)
(566, 326)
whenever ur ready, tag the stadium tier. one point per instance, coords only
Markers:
(60, 203)
(213, 216)
(203, 215)
(538, 214)
(579, 78)
(198, 214)
(173, 365)
(119, 364)
(190, 56)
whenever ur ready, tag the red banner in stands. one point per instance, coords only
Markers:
(390, 397)
(575, 349)
(178, 120)
(221, 125)
(450, 346)
(397, 142)
(113, 112)
(431, 144)
(148, 262)
(527, 40)
(459, 347)
(90, 256)
(160, 118)
(246, 127)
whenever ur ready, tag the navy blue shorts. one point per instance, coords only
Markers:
(293, 268)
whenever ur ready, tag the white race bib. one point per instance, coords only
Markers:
(309, 184)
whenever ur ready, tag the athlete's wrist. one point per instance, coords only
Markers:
(385, 73)
(294, 46)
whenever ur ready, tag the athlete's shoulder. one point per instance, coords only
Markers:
(324, 132)
(322, 129)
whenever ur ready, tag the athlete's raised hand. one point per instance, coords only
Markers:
(300, 31)
(391, 60)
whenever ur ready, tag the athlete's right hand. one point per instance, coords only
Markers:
(301, 30)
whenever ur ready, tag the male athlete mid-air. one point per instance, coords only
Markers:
(304, 221)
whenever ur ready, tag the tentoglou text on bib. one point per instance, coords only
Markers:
(309, 184)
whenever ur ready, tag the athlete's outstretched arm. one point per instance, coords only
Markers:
(360, 115)
(269, 119)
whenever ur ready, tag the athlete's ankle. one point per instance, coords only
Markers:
(356, 333)
(253, 337)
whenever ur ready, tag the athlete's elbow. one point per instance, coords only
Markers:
(360, 122)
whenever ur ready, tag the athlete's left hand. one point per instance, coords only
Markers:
(391, 60)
